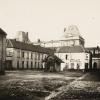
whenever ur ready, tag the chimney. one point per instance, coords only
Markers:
(38, 41)
(27, 34)
(26, 37)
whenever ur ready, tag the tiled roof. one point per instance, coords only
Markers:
(12, 43)
(70, 49)
(2, 32)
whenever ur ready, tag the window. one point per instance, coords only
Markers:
(31, 65)
(66, 67)
(72, 43)
(23, 54)
(66, 57)
(94, 65)
(96, 51)
(27, 64)
(38, 56)
(38, 65)
(78, 65)
(86, 56)
(35, 64)
(22, 64)
(17, 64)
(72, 65)
(86, 66)
(9, 52)
(42, 57)
(31, 55)
(35, 56)
(27, 55)
(18, 54)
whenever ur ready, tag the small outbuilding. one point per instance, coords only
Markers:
(52, 63)
(2, 51)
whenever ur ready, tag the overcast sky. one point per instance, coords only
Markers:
(46, 19)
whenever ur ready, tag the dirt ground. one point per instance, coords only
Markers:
(33, 85)
(86, 87)
(38, 85)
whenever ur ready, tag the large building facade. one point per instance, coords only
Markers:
(70, 37)
(70, 48)
(22, 54)
(74, 57)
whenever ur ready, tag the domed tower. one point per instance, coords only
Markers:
(72, 36)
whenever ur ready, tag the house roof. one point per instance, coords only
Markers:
(92, 48)
(94, 55)
(70, 49)
(12, 43)
(2, 32)
(54, 58)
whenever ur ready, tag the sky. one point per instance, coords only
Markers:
(46, 19)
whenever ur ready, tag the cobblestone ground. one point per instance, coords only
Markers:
(33, 85)
(83, 88)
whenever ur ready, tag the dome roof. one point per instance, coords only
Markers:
(72, 30)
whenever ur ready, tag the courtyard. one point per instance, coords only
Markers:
(39, 85)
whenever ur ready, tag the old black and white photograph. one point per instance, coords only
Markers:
(49, 49)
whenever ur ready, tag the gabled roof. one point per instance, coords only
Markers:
(70, 49)
(2, 32)
(12, 43)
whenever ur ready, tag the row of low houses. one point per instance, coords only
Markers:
(21, 53)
